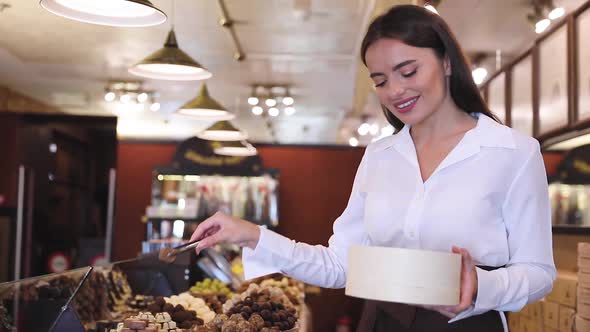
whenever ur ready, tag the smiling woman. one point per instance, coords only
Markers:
(451, 172)
(419, 50)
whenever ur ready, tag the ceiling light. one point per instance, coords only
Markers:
(257, 110)
(122, 13)
(205, 108)
(542, 25)
(270, 102)
(236, 149)
(288, 101)
(142, 97)
(110, 96)
(364, 129)
(289, 110)
(353, 141)
(431, 8)
(273, 111)
(222, 131)
(479, 74)
(253, 101)
(374, 129)
(556, 13)
(155, 107)
(387, 130)
(125, 98)
(170, 63)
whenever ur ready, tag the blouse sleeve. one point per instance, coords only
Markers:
(316, 265)
(530, 271)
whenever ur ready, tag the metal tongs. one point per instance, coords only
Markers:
(168, 255)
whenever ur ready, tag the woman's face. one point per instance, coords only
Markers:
(410, 81)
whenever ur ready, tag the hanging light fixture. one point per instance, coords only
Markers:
(120, 13)
(222, 131)
(537, 18)
(556, 13)
(431, 5)
(479, 75)
(170, 63)
(236, 149)
(204, 107)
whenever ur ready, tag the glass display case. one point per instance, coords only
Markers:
(179, 202)
(101, 299)
(196, 197)
(97, 299)
(569, 192)
(44, 303)
(570, 204)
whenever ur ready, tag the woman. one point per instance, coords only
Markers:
(451, 178)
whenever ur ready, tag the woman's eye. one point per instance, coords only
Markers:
(406, 75)
(380, 84)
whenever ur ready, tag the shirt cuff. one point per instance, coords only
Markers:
(464, 314)
(485, 283)
(271, 250)
(488, 285)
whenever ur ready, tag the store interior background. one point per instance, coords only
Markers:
(57, 67)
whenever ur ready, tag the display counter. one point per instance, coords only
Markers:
(148, 294)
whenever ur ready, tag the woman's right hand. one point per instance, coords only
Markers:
(223, 228)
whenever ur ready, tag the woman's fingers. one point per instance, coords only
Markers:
(203, 227)
(210, 241)
(468, 280)
(222, 228)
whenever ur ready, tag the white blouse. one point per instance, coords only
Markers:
(489, 195)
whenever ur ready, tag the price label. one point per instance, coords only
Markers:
(58, 262)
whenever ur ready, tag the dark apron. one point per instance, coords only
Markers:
(381, 316)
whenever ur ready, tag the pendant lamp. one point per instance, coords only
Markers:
(120, 13)
(203, 107)
(222, 131)
(170, 63)
(236, 149)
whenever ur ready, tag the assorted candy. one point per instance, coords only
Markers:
(184, 318)
(210, 286)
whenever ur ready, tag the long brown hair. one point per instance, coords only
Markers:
(418, 27)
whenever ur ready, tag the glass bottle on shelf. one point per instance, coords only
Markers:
(202, 205)
(213, 201)
(573, 213)
(250, 205)
(239, 198)
(265, 207)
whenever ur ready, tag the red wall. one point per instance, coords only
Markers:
(135, 162)
(314, 187)
(552, 160)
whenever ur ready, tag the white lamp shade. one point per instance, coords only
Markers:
(236, 149)
(120, 13)
(222, 135)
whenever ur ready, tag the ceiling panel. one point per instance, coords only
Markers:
(309, 44)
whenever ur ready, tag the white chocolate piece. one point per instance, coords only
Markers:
(147, 316)
(162, 317)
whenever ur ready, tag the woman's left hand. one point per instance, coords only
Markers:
(468, 286)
